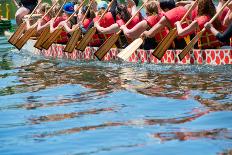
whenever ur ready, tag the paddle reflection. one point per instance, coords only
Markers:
(132, 123)
(60, 117)
(183, 136)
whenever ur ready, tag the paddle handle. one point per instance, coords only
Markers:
(50, 9)
(217, 14)
(110, 4)
(61, 8)
(34, 9)
(128, 22)
(82, 3)
(86, 13)
(189, 11)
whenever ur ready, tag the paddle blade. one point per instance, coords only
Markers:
(42, 38)
(105, 47)
(26, 36)
(165, 44)
(53, 37)
(19, 31)
(130, 49)
(86, 39)
(73, 41)
(190, 45)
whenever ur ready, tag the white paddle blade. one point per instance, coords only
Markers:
(130, 49)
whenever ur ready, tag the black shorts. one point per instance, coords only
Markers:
(30, 6)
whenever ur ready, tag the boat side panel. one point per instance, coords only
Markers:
(210, 57)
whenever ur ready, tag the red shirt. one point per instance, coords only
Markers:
(175, 14)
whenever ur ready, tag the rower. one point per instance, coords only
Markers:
(153, 16)
(206, 10)
(25, 7)
(122, 16)
(171, 15)
(89, 17)
(227, 34)
(41, 11)
(68, 10)
(42, 23)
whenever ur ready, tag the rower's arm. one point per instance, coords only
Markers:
(136, 31)
(67, 26)
(52, 29)
(108, 30)
(132, 6)
(42, 26)
(228, 18)
(187, 30)
(156, 28)
(223, 37)
(39, 1)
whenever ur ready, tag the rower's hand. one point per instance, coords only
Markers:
(62, 23)
(177, 23)
(123, 27)
(144, 34)
(52, 20)
(96, 24)
(40, 20)
(208, 25)
(76, 26)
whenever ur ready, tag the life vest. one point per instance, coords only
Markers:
(207, 40)
(151, 21)
(63, 38)
(105, 22)
(194, 13)
(133, 22)
(47, 18)
(86, 23)
(175, 14)
(221, 16)
(95, 39)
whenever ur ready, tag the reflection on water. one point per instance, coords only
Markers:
(112, 108)
(182, 136)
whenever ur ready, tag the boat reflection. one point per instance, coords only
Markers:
(60, 117)
(205, 88)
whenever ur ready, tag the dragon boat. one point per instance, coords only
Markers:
(196, 56)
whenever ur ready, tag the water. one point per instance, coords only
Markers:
(80, 108)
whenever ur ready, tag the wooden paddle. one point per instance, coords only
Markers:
(46, 32)
(22, 27)
(53, 37)
(199, 34)
(70, 46)
(105, 47)
(31, 31)
(89, 35)
(130, 49)
(167, 41)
